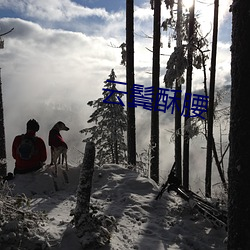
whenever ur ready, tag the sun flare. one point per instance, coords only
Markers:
(188, 3)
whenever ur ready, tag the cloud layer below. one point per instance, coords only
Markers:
(58, 56)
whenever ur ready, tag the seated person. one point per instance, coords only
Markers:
(28, 150)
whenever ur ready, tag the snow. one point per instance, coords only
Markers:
(141, 221)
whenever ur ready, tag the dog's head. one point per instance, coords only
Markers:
(61, 126)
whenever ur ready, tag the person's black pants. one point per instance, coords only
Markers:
(25, 171)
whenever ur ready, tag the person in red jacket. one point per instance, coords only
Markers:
(29, 150)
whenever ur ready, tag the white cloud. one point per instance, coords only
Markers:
(46, 70)
(50, 74)
(143, 13)
(53, 10)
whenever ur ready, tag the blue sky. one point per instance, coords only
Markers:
(61, 51)
(67, 14)
(108, 5)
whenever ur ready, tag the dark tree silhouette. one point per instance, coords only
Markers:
(188, 91)
(211, 102)
(3, 162)
(178, 88)
(239, 160)
(131, 129)
(154, 168)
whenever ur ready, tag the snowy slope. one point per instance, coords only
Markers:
(142, 222)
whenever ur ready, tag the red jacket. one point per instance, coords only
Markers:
(37, 159)
(55, 139)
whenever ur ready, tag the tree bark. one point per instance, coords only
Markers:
(3, 161)
(177, 149)
(83, 192)
(239, 159)
(116, 152)
(131, 130)
(154, 168)
(211, 103)
(93, 229)
(188, 91)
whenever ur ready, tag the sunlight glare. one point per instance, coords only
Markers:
(187, 3)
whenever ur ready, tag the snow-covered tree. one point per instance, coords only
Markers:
(110, 121)
(190, 51)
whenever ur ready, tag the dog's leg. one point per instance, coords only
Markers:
(56, 170)
(51, 155)
(63, 157)
(59, 159)
(66, 161)
(55, 158)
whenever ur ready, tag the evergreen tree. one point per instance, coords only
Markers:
(110, 124)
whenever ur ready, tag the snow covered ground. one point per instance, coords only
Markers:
(141, 221)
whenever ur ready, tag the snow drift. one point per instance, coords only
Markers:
(141, 221)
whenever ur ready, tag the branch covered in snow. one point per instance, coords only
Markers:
(20, 228)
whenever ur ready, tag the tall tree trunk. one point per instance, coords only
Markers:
(211, 103)
(239, 159)
(154, 168)
(178, 96)
(83, 192)
(112, 152)
(93, 231)
(3, 161)
(131, 131)
(116, 152)
(188, 91)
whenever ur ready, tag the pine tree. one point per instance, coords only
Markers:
(110, 124)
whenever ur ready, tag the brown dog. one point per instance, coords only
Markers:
(58, 146)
